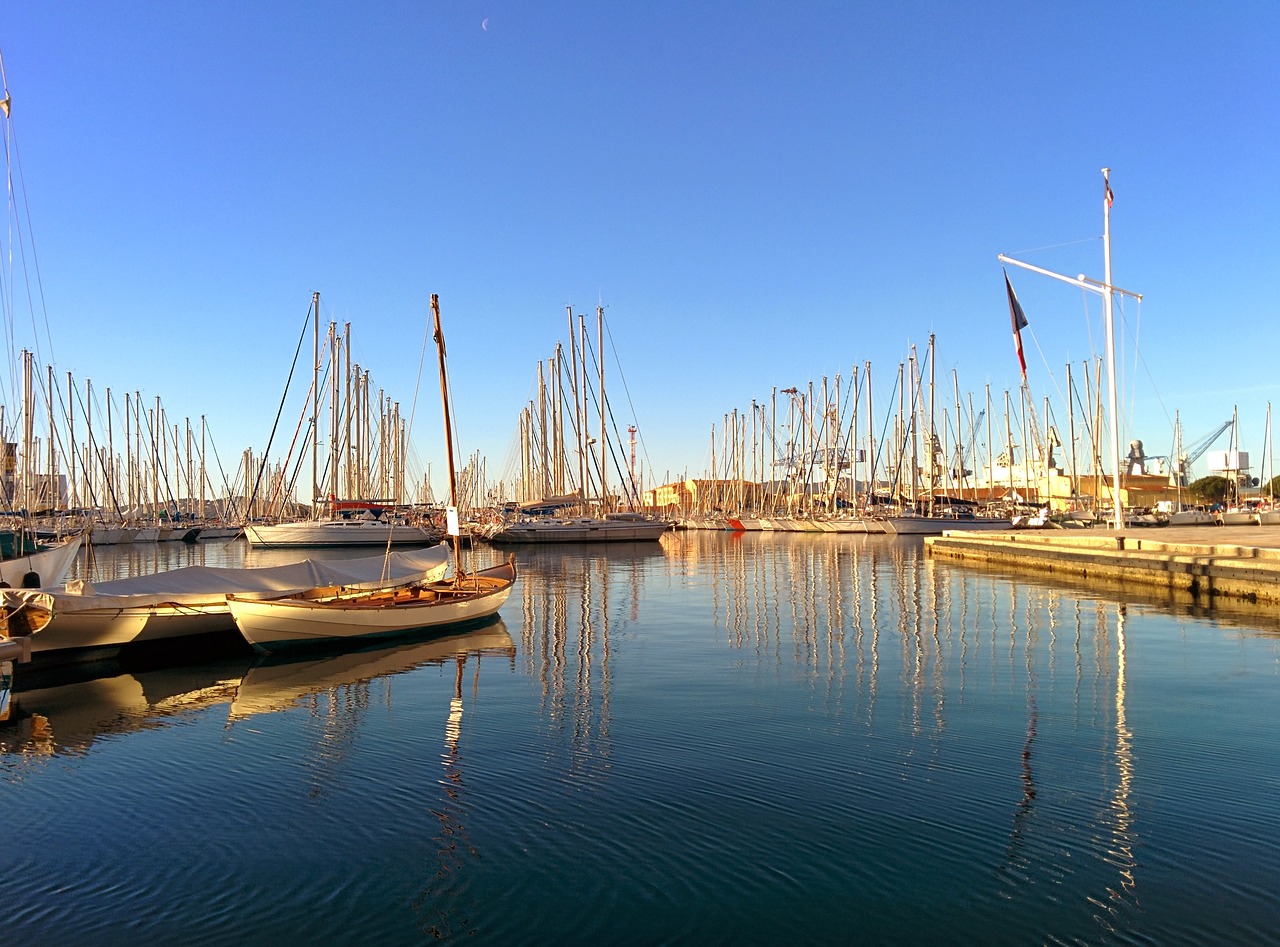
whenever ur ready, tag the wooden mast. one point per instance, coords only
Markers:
(451, 517)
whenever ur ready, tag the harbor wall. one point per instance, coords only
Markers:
(1202, 571)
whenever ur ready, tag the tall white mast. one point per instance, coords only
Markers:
(1107, 291)
(1109, 329)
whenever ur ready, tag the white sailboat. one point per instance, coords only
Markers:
(359, 524)
(336, 614)
(349, 522)
(612, 527)
(554, 509)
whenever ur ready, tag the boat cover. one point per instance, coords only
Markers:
(193, 584)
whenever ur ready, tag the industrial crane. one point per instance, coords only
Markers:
(1197, 450)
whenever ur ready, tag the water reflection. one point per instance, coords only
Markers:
(68, 711)
(742, 730)
(330, 685)
(69, 718)
(444, 903)
(574, 599)
(872, 624)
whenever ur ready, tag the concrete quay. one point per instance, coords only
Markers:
(1211, 566)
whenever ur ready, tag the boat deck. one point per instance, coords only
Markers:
(1207, 564)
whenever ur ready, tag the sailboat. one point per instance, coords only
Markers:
(333, 614)
(923, 516)
(347, 522)
(553, 510)
(30, 564)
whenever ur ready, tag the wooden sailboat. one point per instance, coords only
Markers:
(327, 615)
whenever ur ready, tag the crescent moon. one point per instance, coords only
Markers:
(484, 24)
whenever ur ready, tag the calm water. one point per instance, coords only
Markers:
(718, 739)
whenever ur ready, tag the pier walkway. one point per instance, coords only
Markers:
(1239, 565)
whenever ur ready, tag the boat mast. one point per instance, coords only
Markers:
(335, 365)
(315, 400)
(1071, 435)
(871, 441)
(451, 520)
(1270, 470)
(1108, 327)
(604, 496)
(1107, 291)
(933, 431)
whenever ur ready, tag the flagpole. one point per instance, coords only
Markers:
(1107, 291)
(1109, 328)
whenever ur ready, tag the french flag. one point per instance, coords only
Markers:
(1019, 323)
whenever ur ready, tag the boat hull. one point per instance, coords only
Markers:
(937, 525)
(273, 625)
(583, 530)
(338, 533)
(192, 601)
(49, 565)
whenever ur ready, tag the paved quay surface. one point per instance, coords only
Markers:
(1204, 565)
(1258, 537)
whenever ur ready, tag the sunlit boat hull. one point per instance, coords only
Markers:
(192, 601)
(272, 625)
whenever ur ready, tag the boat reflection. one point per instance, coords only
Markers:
(276, 683)
(68, 718)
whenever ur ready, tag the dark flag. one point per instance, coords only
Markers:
(1019, 323)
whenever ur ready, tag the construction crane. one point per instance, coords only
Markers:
(1197, 450)
(968, 449)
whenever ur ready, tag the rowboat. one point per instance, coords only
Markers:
(329, 616)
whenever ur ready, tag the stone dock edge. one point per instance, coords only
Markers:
(1240, 565)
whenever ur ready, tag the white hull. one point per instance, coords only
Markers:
(937, 525)
(853, 524)
(271, 625)
(218, 532)
(193, 601)
(111, 535)
(1239, 518)
(50, 565)
(1192, 518)
(338, 533)
(580, 530)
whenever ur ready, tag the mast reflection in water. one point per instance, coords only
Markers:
(715, 738)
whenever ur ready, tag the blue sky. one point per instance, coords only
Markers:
(760, 194)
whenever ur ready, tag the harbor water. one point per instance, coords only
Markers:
(718, 738)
